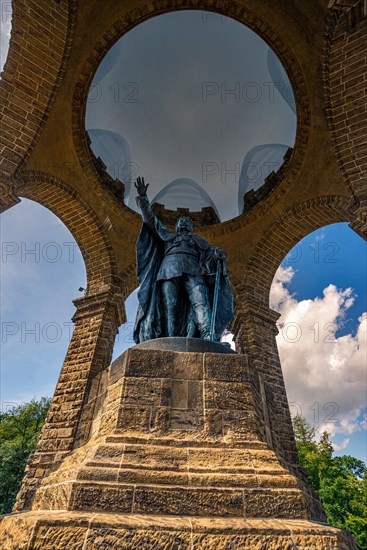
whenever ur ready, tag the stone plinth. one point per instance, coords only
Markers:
(177, 458)
(89, 531)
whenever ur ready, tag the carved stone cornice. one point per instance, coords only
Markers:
(94, 305)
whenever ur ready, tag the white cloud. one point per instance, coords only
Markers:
(325, 375)
(343, 445)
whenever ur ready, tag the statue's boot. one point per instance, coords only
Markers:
(171, 324)
(199, 298)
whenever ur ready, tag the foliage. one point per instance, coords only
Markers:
(340, 482)
(19, 431)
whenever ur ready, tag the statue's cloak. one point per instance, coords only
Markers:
(149, 323)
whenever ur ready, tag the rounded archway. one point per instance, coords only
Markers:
(131, 21)
(41, 272)
(320, 293)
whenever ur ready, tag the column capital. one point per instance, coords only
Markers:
(251, 311)
(95, 304)
(252, 308)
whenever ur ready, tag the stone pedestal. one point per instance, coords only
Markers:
(178, 457)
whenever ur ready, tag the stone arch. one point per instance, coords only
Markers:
(231, 9)
(344, 70)
(38, 51)
(81, 221)
(285, 233)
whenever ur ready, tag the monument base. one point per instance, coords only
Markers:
(177, 455)
(89, 531)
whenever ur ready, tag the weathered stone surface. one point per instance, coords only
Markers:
(78, 531)
(187, 366)
(136, 539)
(151, 364)
(186, 419)
(49, 537)
(150, 457)
(141, 391)
(278, 503)
(227, 395)
(226, 368)
(134, 418)
(102, 497)
(184, 442)
(184, 501)
(223, 460)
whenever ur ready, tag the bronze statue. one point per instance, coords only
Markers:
(184, 286)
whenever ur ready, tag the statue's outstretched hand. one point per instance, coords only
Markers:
(141, 187)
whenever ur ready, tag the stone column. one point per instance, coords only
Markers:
(68, 422)
(254, 328)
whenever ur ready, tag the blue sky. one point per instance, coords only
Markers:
(333, 255)
(336, 255)
(319, 289)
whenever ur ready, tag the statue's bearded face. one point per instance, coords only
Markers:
(184, 225)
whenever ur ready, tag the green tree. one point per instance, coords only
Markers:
(340, 482)
(357, 517)
(19, 431)
(307, 450)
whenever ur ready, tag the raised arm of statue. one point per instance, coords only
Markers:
(149, 218)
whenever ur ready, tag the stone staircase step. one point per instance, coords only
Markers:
(184, 441)
(170, 477)
(174, 500)
(71, 529)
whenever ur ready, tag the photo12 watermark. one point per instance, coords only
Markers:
(37, 252)
(245, 92)
(292, 332)
(253, 173)
(322, 413)
(118, 92)
(321, 252)
(51, 332)
(6, 12)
